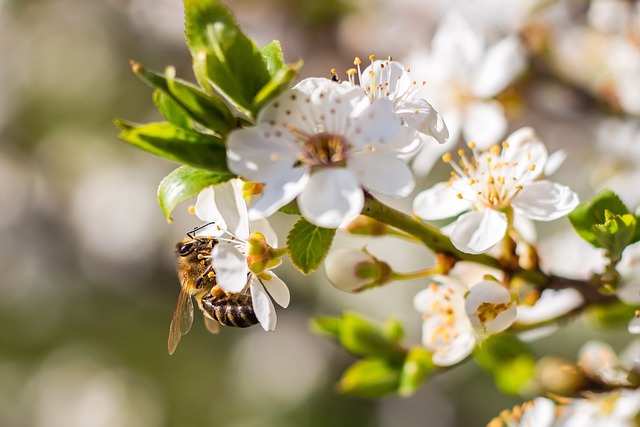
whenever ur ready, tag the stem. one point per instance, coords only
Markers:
(430, 236)
(427, 272)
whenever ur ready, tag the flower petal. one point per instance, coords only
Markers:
(261, 153)
(497, 312)
(484, 123)
(550, 305)
(331, 197)
(262, 306)
(277, 289)
(374, 125)
(397, 179)
(477, 232)
(544, 201)
(230, 266)
(439, 202)
(501, 64)
(278, 192)
(420, 115)
(224, 205)
(450, 343)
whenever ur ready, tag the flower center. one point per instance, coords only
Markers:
(324, 149)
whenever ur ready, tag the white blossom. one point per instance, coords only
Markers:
(323, 143)
(485, 187)
(224, 206)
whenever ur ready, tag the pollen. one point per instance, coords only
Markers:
(495, 149)
(459, 195)
(532, 167)
(372, 57)
(472, 144)
(333, 71)
(357, 61)
(191, 209)
(460, 153)
(446, 157)
(389, 58)
(351, 72)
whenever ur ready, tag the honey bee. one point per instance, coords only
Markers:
(197, 279)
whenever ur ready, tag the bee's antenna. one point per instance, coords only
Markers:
(192, 234)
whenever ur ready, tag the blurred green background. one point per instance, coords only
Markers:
(87, 269)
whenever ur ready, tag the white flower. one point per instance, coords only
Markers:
(551, 304)
(231, 256)
(598, 360)
(615, 409)
(391, 80)
(540, 412)
(452, 325)
(323, 143)
(487, 186)
(464, 74)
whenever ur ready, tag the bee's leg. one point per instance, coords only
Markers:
(192, 233)
(199, 280)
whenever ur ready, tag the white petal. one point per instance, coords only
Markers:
(544, 201)
(439, 202)
(554, 161)
(420, 115)
(375, 125)
(458, 344)
(277, 289)
(484, 123)
(207, 211)
(634, 326)
(380, 171)
(541, 414)
(390, 75)
(406, 141)
(261, 153)
(551, 304)
(331, 196)
(262, 306)
(231, 206)
(526, 149)
(477, 232)
(278, 193)
(230, 267)
(490, 292)
(500, 65)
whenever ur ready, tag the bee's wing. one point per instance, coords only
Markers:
(181, 320)
(212, 325)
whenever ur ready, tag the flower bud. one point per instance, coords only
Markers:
(260, 256)
(354, 270)
(366, 226)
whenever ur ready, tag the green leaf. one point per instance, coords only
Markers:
(370, 378)
(184, 183)
(592, 212)
(224, 58)
(636, 234)
(308, 245)
(326, 326)
(416, 369)
(361, 338)
(509, 360)
(616, 233)
(272, 56)
(208, 109)
(171, 110)
(179, 145)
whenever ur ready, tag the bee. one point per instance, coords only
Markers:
(197, 279)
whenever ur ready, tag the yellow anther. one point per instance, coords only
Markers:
(495, 149)
(489, 159)
(351, 71)
(492, 180)
(389, 58)
(408, 70)
(371, 73)
(459, 195)
(333, 71)
(191, 209)
(357, 61)
(472, 181)
(446, 157)
(471, 144)
(460, 152)
(532, 167)
(505, 144)
(372, 57)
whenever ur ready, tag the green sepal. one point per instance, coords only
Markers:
(329, 326)
(185, 183)
(179, 145)
(208, 109)
(224, 58)
(592, 212)
(509, 360)
(616, 233)
(308, 245)
(370, 378)
(417, 367)
(361, 338)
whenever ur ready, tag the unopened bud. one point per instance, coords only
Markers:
(364, 225)
(260, 256)
(353, 270)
